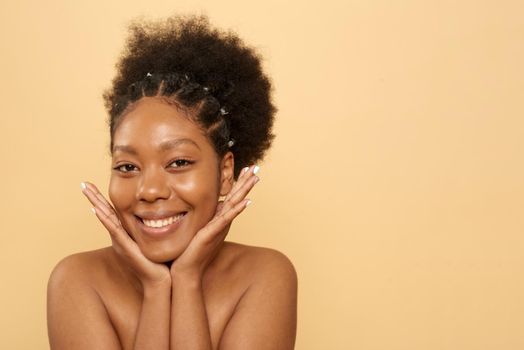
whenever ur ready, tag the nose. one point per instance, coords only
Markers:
(153, 186)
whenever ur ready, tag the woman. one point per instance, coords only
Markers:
(190, 114)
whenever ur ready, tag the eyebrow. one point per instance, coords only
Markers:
(164, 146)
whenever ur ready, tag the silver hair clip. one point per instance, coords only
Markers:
(230, 143)
(206, 89)
(223, 111)
(149, 74)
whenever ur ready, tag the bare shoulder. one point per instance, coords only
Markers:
(266, 315)
(78, 269)
(76, 316)
(262, 263)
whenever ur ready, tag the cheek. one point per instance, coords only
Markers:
(198, 189)
(121, 192)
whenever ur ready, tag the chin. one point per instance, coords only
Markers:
(161, 255)
(164, 249)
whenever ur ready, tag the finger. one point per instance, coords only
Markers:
(97, 193)
(246, 171)
(106, 212)
(108, 223)
(119, 236)
(121, 240)
(240, 194)
(99, 202)
(246, 174)
(95, 201)
(236, 209)
(99, 206)
(219, 207)
(217, 225)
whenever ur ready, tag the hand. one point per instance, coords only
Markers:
(207, 241)
(148, 272)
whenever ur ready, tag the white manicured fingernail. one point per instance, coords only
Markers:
(245, 169)
(83, 186)
(93, 210)
(256, 169)
(248, 203)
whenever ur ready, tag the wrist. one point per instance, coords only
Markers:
(186, 278)
(157, 287)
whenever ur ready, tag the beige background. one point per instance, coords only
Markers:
(395, 183)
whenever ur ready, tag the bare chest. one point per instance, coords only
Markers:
(123, 305)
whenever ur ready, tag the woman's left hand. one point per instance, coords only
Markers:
(207, 241)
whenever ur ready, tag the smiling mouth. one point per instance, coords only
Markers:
(159, 223)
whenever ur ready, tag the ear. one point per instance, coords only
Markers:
(227, 172)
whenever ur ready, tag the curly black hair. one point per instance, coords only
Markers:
(211, 73)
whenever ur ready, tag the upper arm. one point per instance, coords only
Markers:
(266, 316)
(76, 317)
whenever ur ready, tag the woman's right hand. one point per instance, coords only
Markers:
(149, 273)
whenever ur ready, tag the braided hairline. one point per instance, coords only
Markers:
(218, 131)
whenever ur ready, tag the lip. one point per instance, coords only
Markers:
(158, 215)
(159, 231)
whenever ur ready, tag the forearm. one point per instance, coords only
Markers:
(189, 322)
(153, 325)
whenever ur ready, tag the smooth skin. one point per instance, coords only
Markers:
(188, 289)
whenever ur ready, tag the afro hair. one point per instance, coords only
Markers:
(211, 73)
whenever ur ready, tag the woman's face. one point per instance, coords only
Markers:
(165, 179)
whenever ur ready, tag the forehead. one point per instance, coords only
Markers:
(153, 121)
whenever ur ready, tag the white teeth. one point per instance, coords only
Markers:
(162, 222)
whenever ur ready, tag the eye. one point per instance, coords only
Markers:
(180, 163)
(125, 168)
